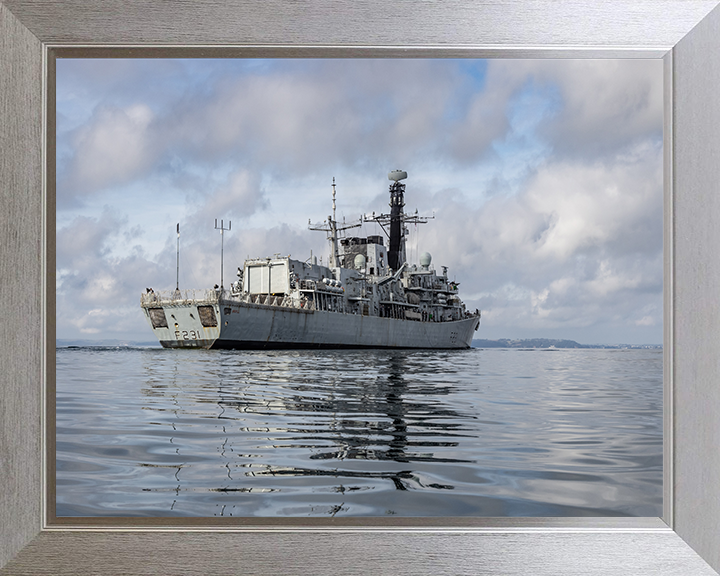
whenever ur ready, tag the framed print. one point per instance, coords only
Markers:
(684, 34)
(346, 402)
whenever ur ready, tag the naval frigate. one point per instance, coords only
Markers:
(368, 296)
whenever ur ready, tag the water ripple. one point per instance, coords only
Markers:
(151, 432)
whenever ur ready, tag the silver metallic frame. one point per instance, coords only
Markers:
(685, 33)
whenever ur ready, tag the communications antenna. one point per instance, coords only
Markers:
(177, 281)
(222, 242)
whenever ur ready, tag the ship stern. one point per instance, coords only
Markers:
(183, 319)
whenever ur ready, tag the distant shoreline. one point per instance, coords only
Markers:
(481, 343)
(551, 343)
(65, 343)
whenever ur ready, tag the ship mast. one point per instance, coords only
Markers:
(396, 220)
(177, 276)
(332, 229)
(333, 233)
(396, 251)
(222, 248)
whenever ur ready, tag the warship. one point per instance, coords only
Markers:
(368, 296)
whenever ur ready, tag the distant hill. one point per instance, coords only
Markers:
(550, 343)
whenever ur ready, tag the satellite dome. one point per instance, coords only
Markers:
(397, 175)
(359, 262)
(425, 259)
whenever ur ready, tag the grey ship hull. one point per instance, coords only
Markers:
(245, 325)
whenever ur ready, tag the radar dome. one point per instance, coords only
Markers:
(397, 175)
(425, 260)
(359, 262)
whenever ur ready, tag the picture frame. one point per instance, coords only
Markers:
(686, 34)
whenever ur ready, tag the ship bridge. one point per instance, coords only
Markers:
(368, 255)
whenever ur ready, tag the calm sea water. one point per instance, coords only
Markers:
(480, 432)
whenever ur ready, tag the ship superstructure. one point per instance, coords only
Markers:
(367, 296)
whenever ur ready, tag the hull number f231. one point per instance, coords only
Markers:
(187, 335)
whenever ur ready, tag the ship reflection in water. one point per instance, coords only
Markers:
(347, 416)
(377, 424)
(359, 433)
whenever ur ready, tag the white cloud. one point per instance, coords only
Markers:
(238, 197)
(597, 204)
(114, 147)
(580, 244)
(603, 105)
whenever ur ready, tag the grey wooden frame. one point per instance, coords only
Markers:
(685, 33)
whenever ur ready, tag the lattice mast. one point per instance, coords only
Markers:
(330, 226)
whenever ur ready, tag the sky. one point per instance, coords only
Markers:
(542, 178)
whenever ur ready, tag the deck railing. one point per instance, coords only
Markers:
(190, 296)
(275, 301)
(179, 296)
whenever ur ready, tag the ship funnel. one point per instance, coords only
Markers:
(397, 175)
